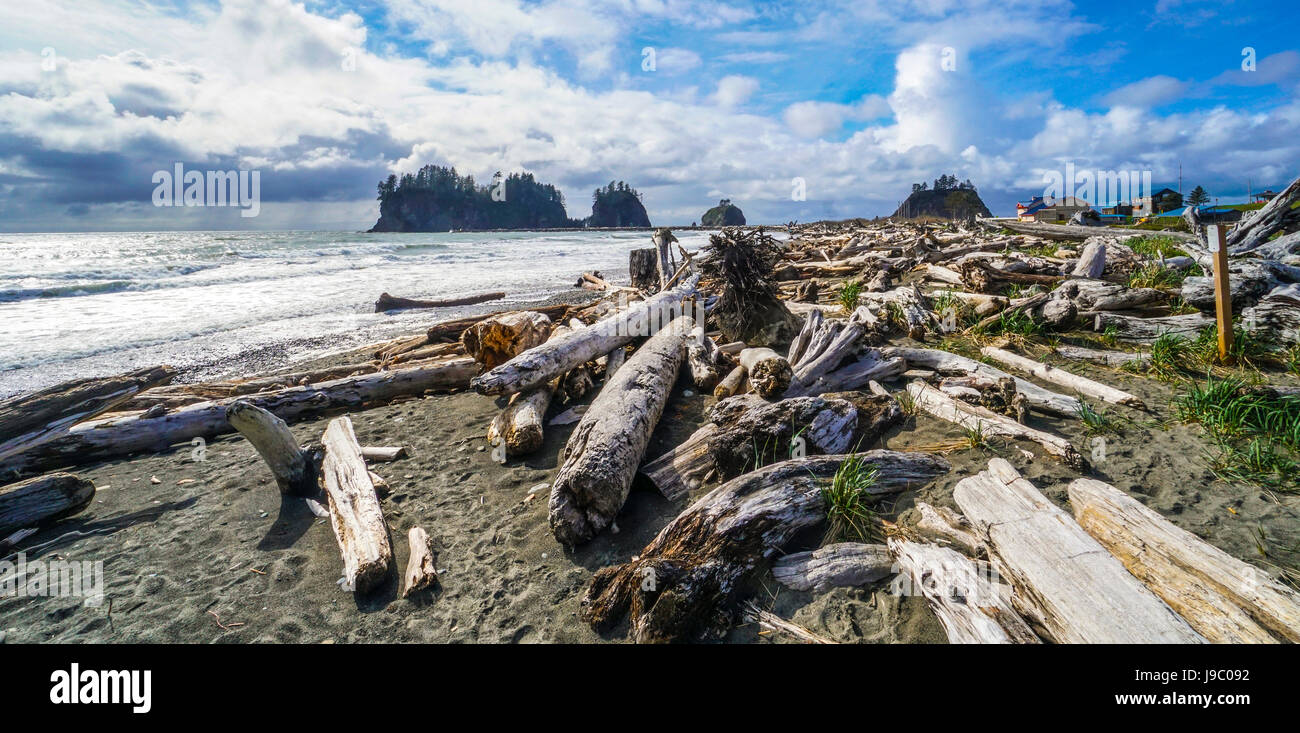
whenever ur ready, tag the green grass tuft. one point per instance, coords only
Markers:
(848, 502)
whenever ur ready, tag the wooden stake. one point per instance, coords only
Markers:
(1222, 292)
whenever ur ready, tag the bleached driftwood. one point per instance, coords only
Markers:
(383, 454)
(1079, 385)
(910, 306)
(1146, 330)
(556, 357)
(355, 514)
(946, 527)
(771, 622)
(421, 566)
(1098, 295)
(768, 372)
(494, 341)
(706, 361)
(852, 376)
(1041, 399)
(840, 565)
(1276, 314)
(974, 417)
(1097, 356)
(1065, 584)
(518, 429)
(1092, 260)
(827, 348)
(42, 499)
(970, 605)
(27, 421)
(742, 425)
(607, 446)
(270, 436)
(1226, 600)
(98, 439)
(682, 585)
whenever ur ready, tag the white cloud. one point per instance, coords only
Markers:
(816, 119)
(735, 90)
(676, 60)
(1153, 91)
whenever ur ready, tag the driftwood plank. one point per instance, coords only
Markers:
(1066, 584)
(1223, 598)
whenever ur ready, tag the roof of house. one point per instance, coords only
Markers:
(1210, 210)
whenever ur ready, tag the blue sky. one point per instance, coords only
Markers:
(858, 99)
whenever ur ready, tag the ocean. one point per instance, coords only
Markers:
(82, 305)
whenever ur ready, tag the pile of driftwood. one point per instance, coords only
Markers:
(798, 369)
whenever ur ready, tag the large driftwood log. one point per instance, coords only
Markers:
(1226, 600)
(1249, 280)
(494, 341)
(1277, 315)
(974, 417)
(663, 239)
(984, 278)
(1059, 232)
(744, 425)
(1043, 400)
(946, 527)
(1098, 356)
(840, 565)
(682, 585)
(388, 302)
(1092, 260)
(1066, 584)
(1146, 330)
(450, 331)
(1099, 295)
(354, 509)
(27, 421)
(42, 499)
(970, 605)
(270, 436)
(1255, 229)
(105, 438)
(909, 305)
(552, 359)
(643, 269)
(1079, 385)
(602, 455)
(768, 372)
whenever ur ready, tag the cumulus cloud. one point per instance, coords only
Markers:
(1150, 92)
(817, 119)
(735, 89)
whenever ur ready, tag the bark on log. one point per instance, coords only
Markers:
(974, 417)
(421, 565)
(1065, 583)
(1146, 330)
(971, 608)
(840, 565)
(1078, 384)
(682, 585)
(27, 421)
(768, 372)
(270, 436)
(494, 341)
(354, 508)
(552, 359)
(1226, 600)
(105, 438)
(602, 455)
(1041, 399)
(1099, 295)
(388, 302)
(733, 383)
(42, 499)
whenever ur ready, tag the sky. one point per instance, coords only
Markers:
(794, 110)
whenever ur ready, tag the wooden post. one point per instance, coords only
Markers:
(1222, 292)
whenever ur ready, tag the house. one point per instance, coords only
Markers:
(1157, 203)
(1026, 211)
(1061, 211)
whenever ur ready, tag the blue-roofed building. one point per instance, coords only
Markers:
(1210, 214)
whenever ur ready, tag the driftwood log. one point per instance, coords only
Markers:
(42, 499)
(839, 565)
(552, 359)
(1041, 399)
(388, 302)
(768, 372)
(987, 422)
(27, 421)
(971, 606)
(519, 428)
(1146, 330)
(494, 341)
(605, 449)
(683, 584)
(355, 514)
(270, 436)
(421, 565)
(732, 384)
(643, 269)
(1077, 384)
(1065, 584)
(1226, 600)
(109, 437)
(1099, 356)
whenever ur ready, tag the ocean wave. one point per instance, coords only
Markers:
(63, 291)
